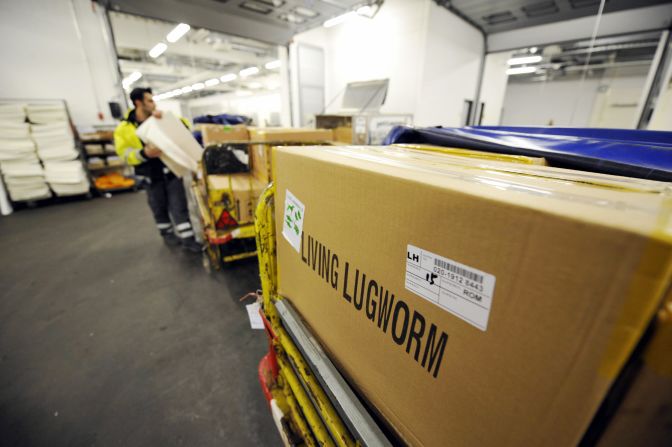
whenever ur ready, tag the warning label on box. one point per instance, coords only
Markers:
(457, 288)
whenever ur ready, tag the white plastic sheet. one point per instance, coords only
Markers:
(181, 151)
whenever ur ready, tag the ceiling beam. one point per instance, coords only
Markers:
(204, 17)
(139, 34)
(620, 22)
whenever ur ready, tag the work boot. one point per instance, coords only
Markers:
(190, 244)
(170, 239)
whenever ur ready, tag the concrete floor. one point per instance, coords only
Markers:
(110, 338)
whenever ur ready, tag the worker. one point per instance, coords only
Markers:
(165, 191)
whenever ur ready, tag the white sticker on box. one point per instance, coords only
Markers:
(457, 288)
(292, 226)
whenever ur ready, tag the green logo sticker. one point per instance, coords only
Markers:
(293, 220)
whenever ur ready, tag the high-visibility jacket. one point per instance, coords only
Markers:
(130, 147)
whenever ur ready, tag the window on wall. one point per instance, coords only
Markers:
(575, 85)
(194, 71)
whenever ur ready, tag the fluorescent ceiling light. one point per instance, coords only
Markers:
(177, 32)
(254, 85)
(300, 10)
(186, 89)
(339, 19)
(176, 92)
(249, 71)
(228, 77)
(158, 49)
(368, 11)
(524, 60)
(256, 7)
(292, 18)
(131, 78)
(243, 93)
(520, 70)
(198, 86)
(211, 82)
(272, 65)
(365, 10)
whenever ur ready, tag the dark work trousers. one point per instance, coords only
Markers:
(167, 199)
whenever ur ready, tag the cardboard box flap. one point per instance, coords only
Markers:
(405, 155)
(522, 159)
(279, 135)
(219, 182)
(234, 182)
(638, 205)
(216, 133)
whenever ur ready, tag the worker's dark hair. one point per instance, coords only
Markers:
(138, 94)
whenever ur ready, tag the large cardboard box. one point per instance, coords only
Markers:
(343, 134)
(471, 307)
(216, 133)
(263, 141)
(235, 193)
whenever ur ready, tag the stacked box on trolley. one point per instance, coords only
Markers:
(228, 183)
(237, 193)
(217, 133)
(262, 142)
(476, 302)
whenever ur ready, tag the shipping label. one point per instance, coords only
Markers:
(457, 288)
(294, 215)
(256, 322)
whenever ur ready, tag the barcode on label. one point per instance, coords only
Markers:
(459, 270)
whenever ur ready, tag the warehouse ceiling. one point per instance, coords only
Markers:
(493, 16)
(273, 21)
(200, 55)
(629, 55)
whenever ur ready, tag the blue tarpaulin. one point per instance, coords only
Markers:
(632, 153)
(223, 118)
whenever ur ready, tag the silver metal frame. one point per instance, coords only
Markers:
(655, 81)
(355, 416)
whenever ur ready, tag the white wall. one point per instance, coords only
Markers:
(607, 102)
(389, 46)
(617, 103)
(452, 56)
(46, 45)
(430, 56)
(494, 87)
(285, 88)
(549, 103)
